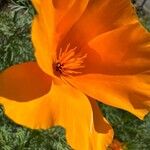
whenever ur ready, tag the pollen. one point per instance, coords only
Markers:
(69, 62)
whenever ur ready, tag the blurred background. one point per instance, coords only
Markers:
(16, 47)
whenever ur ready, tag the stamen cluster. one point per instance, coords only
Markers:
(69, 62)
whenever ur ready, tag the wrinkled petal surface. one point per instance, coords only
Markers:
(67, 13)
(125, 50)
(100, 17)
(116, 69)
(69, 108)
(24, 82)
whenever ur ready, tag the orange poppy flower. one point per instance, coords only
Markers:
(87, 50)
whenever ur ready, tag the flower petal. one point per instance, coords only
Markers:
(34, 114)
(64, 106)
(75, 113)
(119, 52)
(51, 23)
(68, 12)
(44, 37)
(24, 82)
(128, 92)
(100, 17)
(43, 47)
(102, 130)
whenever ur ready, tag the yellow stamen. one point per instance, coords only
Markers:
(68, 62)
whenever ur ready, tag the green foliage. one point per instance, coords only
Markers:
(144, 16)
(146, 22)
(16, 47)
(15, 22)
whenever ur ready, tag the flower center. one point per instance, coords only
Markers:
(69, 62)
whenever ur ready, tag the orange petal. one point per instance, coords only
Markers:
(68, 12)
(43, 47)
(64, 106)
(101, 138)
(128, 92)
(24, 82)
(74, 112)
(33, 114)
(123, 51)
(44, 42)
(100, 17)
(51, 23)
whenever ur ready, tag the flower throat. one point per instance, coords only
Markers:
(68, 62)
